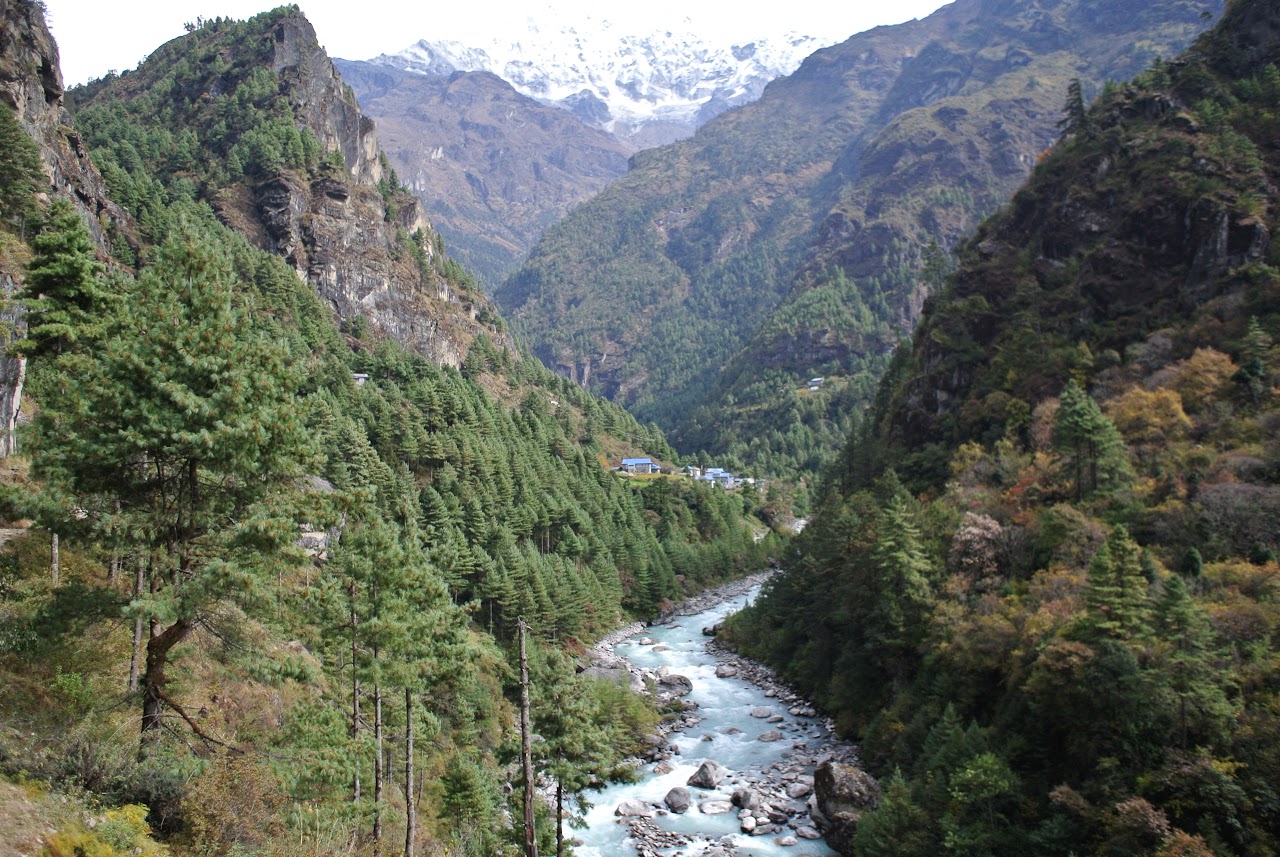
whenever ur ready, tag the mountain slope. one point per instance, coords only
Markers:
(493, 167)
(1045, 561)
(872, 149)
(261, 126)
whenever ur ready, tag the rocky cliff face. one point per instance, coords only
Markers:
(349, 231)
(494, 167)
(31, 84)
(335, 232)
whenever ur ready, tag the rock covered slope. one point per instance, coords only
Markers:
(274, 140)
(494, 167)
(874, 147)
(646, 88)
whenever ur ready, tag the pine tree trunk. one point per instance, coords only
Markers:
(377, 768)
(410, 811)
(526, 748)
(559, 819)
(153, 679)
(355, 700)
(113, 569)
(53, 557)
(135, 660)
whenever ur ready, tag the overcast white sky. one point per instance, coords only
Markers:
(97, 35)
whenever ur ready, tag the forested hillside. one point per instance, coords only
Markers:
(285, 496)
(1041, 584)
(788, 239)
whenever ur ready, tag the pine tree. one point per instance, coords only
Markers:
(1193, 678)
(186, 417)
(1076, 121)
(64, 294)
(1116, 592)
(1096, 455)
(898, 827)
(903, 573)
(20, 170)
(581, 738)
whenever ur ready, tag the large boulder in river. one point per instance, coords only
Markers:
(678, 800)
(708, 775)
(842, 793)
(677, 685)
(632, 808)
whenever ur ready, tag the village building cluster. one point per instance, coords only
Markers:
(717, 476)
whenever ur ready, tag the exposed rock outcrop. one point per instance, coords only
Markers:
(843, 793)
(494, 167)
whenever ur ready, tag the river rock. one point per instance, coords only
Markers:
(798, 790)
(771, 735)
(785, 841)
(714, 807)
(663, 768)
(748, 824)
(708, 775)
(726, 671)
(632, 808)
(761, 711)
(678, 800)
(807, 832)
(676, 684)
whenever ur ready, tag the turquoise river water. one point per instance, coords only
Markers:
(725, 706)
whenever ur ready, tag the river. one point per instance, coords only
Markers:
(727, 733)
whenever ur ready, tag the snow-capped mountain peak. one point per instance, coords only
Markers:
(651, 88)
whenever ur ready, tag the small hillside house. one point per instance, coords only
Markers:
(639, 465)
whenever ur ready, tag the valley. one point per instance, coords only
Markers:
(884, 464)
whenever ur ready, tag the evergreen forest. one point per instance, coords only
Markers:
(1039, 584)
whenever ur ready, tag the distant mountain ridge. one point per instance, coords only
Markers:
(788, 239)
(494, 167)
(646, 89)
